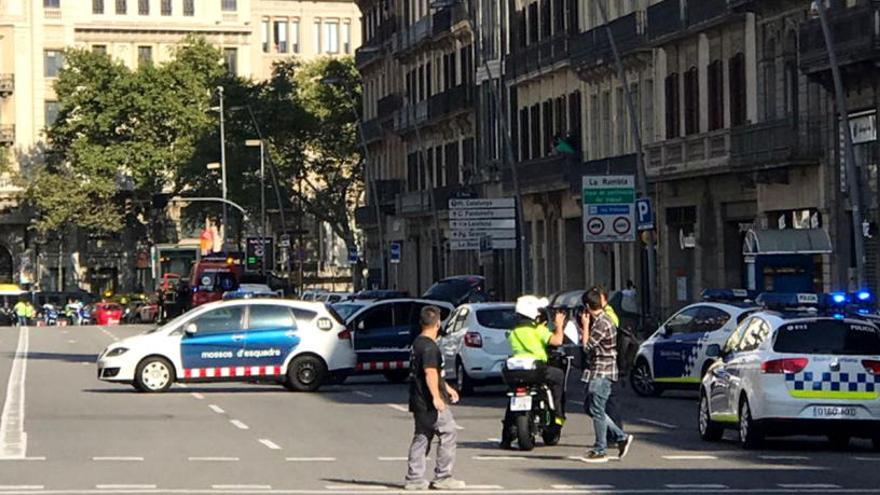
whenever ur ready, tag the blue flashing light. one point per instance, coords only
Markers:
(864, 312)
(838, 297)
(838, 316)
(863, 295)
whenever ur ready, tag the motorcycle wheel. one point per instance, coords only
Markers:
(551, 435)
(524, 436)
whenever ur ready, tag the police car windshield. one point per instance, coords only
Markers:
(500, 318)
(828, 337)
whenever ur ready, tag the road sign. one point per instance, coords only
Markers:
(254, 249)
(395, 252)
(284, 241)
(645, 213)
(609, 208)
(484, 214)
(457, 204)
(352, 256)
(482, 224)
(477, 223)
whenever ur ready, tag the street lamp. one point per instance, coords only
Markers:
(222, 158)
(253, 143)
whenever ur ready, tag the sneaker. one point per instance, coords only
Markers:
(623, 447)
(594, 457)
(416, 485)
(448, 484)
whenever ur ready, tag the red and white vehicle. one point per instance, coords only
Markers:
(107, 313)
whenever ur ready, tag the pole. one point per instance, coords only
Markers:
(641, 172)
(853, 179)
(263, 227)
(371, 183)
(223, 164)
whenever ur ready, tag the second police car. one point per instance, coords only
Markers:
(675, 355)
(795, 368)
(301, 345)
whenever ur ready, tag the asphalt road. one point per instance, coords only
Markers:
(86, 436)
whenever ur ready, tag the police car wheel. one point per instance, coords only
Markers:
(306, 374)
(710, 431)
(642, 381)
(154, 374)
(463, 382)
(750, 436)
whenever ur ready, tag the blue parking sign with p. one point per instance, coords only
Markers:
(352, 256)
(395, 252)
(644, 214)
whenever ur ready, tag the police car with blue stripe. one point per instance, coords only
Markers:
(806, 364)
(675, 355)
(301, 345)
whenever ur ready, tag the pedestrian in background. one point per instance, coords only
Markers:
(600, 373)
(429, 400)
(21, 312)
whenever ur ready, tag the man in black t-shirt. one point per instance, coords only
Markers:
(429, 400)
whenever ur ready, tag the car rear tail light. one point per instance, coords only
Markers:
(872, 366)
(520, 391)
(473, 339)
(345, 334)
(788, 365)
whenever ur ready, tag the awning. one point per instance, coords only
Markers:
(790, 241)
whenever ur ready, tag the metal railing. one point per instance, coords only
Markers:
(855, 32)
(698, 154)
(592, 48)
(776, 142)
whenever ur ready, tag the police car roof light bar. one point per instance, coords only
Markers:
(786, 300)
(740, 295)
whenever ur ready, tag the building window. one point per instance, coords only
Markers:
(715, 82)
(770, 80)
(145, 55)
(737, 69)
(673, 121)
(346, 37)
(51, 112)
(264, 35)
(279, 33)
(143, 7)
(294, 35)
(52, 4)
(229, 6)
(317, 36)
(230, 56)
(331, 36)
(121, 7)
(533, 23)
(189, 8)
(53, 60)
(97, 6)
(102, 49)
(166, 7)
(691, 101)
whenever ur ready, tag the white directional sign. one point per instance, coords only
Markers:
(609, 208)
(474, 219)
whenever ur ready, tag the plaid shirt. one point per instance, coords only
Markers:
(602, 345)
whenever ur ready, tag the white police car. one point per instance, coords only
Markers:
(299, 344)
(796, 371)
(675, 355)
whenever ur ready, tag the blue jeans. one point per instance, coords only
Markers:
(598, 391)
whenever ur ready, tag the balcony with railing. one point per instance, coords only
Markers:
(539, 56)
(366, 55)
(446, 18)
(7, 85)
(387, 191)
(856, 33)
(409, 116)
(699, 154)
(591, 48)
(672, 19)
(387, 105)
(451, 102)
(776, 143)
(418, 203)
(7, 135)
(373, 131)
(411, 37)
(365, 216)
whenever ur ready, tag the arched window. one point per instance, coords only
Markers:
(691, 101)
(715, 88)
(737, 70)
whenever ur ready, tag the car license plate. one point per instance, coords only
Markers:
(521, 403)
(834, 412)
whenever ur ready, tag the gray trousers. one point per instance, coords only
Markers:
(427, 426)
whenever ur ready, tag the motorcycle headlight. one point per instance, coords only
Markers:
(116, 351)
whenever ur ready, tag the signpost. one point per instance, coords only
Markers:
(352, 256)
(645, 212)
(257, 251)
(609, 208)
(491, 220)
(395, 253)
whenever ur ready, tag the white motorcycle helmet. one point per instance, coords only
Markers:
(531, 306)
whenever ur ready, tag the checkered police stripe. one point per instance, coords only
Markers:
(232, 371)
(833, 384)
(383, 366)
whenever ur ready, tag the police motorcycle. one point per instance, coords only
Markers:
(531, 410)
(50, 315)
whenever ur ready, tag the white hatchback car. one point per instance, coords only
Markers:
(299, 344)
(794, 373)
(475, 346)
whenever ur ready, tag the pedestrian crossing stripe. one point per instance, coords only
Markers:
(232, 371)
(383, 366)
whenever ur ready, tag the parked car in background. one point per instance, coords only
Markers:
(380, 295)
(107, 313)
(475, 346)
(334, 297)
(458, 290)
(312, 295)
(147, 312)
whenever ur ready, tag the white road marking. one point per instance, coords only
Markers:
(13, 439)
(494, 440)
(238, 424)
(125, 487)
(484, 487)
(696, 486)
(459, 427)
(118, 458)
(868, 459)
(689, 457)
(499, 457)
(310, 459)
(212, 459)
(363, 394)
(270, 444)
(807, 486)
(40, 458)
(198, 396)
(241, 487)
(354, 486)
(393, 459)
(583, 487)
(398, 407)
(217, 409)
(71, 342)
(784, 457)
(85, 363)
(21, 487)
(657, 423)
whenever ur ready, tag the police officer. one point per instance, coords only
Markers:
(530, 339)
